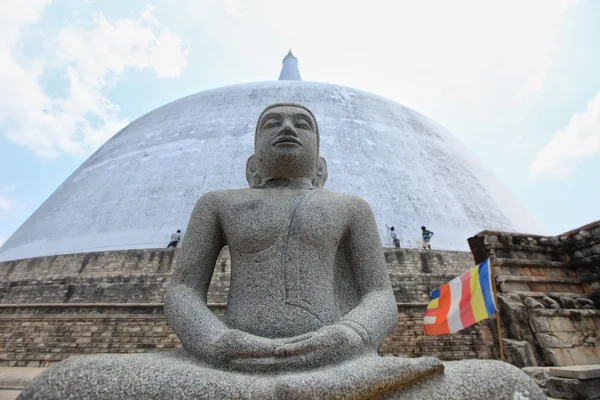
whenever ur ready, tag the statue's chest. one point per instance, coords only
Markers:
(254, 224)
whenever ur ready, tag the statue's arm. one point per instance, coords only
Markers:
(376, 314)
(185, 300)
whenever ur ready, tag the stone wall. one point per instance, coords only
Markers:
(548, 293)
(111, 302)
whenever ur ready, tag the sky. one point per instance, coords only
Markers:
(516, 81)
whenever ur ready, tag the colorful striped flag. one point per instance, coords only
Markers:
(461, 302)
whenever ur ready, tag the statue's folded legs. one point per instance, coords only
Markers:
(309, 302)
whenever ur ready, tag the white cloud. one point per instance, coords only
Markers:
(6, 204)
(579, 140)
(91, 59)
(415, 52)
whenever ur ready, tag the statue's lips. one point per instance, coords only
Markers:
(286, 140)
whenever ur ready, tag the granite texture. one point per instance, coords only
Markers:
(573, 389)
(474, 379)
(310, 298)
(175, 375)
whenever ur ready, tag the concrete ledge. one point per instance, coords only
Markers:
(577, 371)
(9, 394)
(15, 378)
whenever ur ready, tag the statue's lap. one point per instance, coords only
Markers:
(176, 375)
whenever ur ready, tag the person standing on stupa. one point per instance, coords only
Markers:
(426, 237)
(175, 239)
(394, 236)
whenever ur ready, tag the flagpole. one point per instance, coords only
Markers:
(497, 310)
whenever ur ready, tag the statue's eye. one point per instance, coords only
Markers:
(271, 123)
(302, 124)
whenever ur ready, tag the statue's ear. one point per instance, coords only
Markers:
(252, 175)
(321, 177)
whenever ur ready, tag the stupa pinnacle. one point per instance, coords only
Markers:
(289, 69)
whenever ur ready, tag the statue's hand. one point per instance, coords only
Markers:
(328, 345)
(234, 344)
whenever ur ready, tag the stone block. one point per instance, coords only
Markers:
(573, 356)
(573, 389)
(519, 353)
(558, 357)
(539, 324)
(561, 324)
(538, 374)
(568, 339)
(531, 303)
(549, 303)
(585, 355)
(577, 371)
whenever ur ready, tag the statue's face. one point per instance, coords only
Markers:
(287, 141)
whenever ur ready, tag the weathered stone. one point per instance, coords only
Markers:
(531, 303)
(513, 296)
(585, 303)
(539, 324)
(515, 318)
(490, 239)
(568, 302)
(538, 374)
(573, 389)
(572, 356)
(577, 371)
(549, 303)
(309, 302)
(555, 339)
(519, 353)
(561, 324)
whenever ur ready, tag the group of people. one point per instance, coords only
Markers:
(425, 234)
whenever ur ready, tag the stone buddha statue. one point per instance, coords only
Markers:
(309, 302)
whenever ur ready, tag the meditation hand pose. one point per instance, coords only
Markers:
(309, 300)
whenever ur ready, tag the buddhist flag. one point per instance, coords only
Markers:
(461, 302)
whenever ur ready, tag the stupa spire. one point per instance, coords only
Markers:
(289, 69)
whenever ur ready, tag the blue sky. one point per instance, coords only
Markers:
(516, 81)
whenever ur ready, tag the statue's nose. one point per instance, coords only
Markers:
(287, 130)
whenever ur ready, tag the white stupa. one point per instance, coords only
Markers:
(142, 184)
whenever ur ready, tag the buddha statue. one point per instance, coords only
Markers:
(310, 300)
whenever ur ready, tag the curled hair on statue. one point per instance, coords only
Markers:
(255, 180)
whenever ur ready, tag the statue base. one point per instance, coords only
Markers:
(176, 375)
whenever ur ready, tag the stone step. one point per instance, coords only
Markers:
(523, 249)
(15, 378)
(542, 294)
(509, 283)
(519, 267)
(9, 394)
(529, 263)
(590, 371)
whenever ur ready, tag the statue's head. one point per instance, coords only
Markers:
(286, 145)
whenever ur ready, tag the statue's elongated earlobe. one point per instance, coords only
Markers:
(252, 176)
(321, 176)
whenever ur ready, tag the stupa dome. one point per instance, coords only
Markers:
(142, 184)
